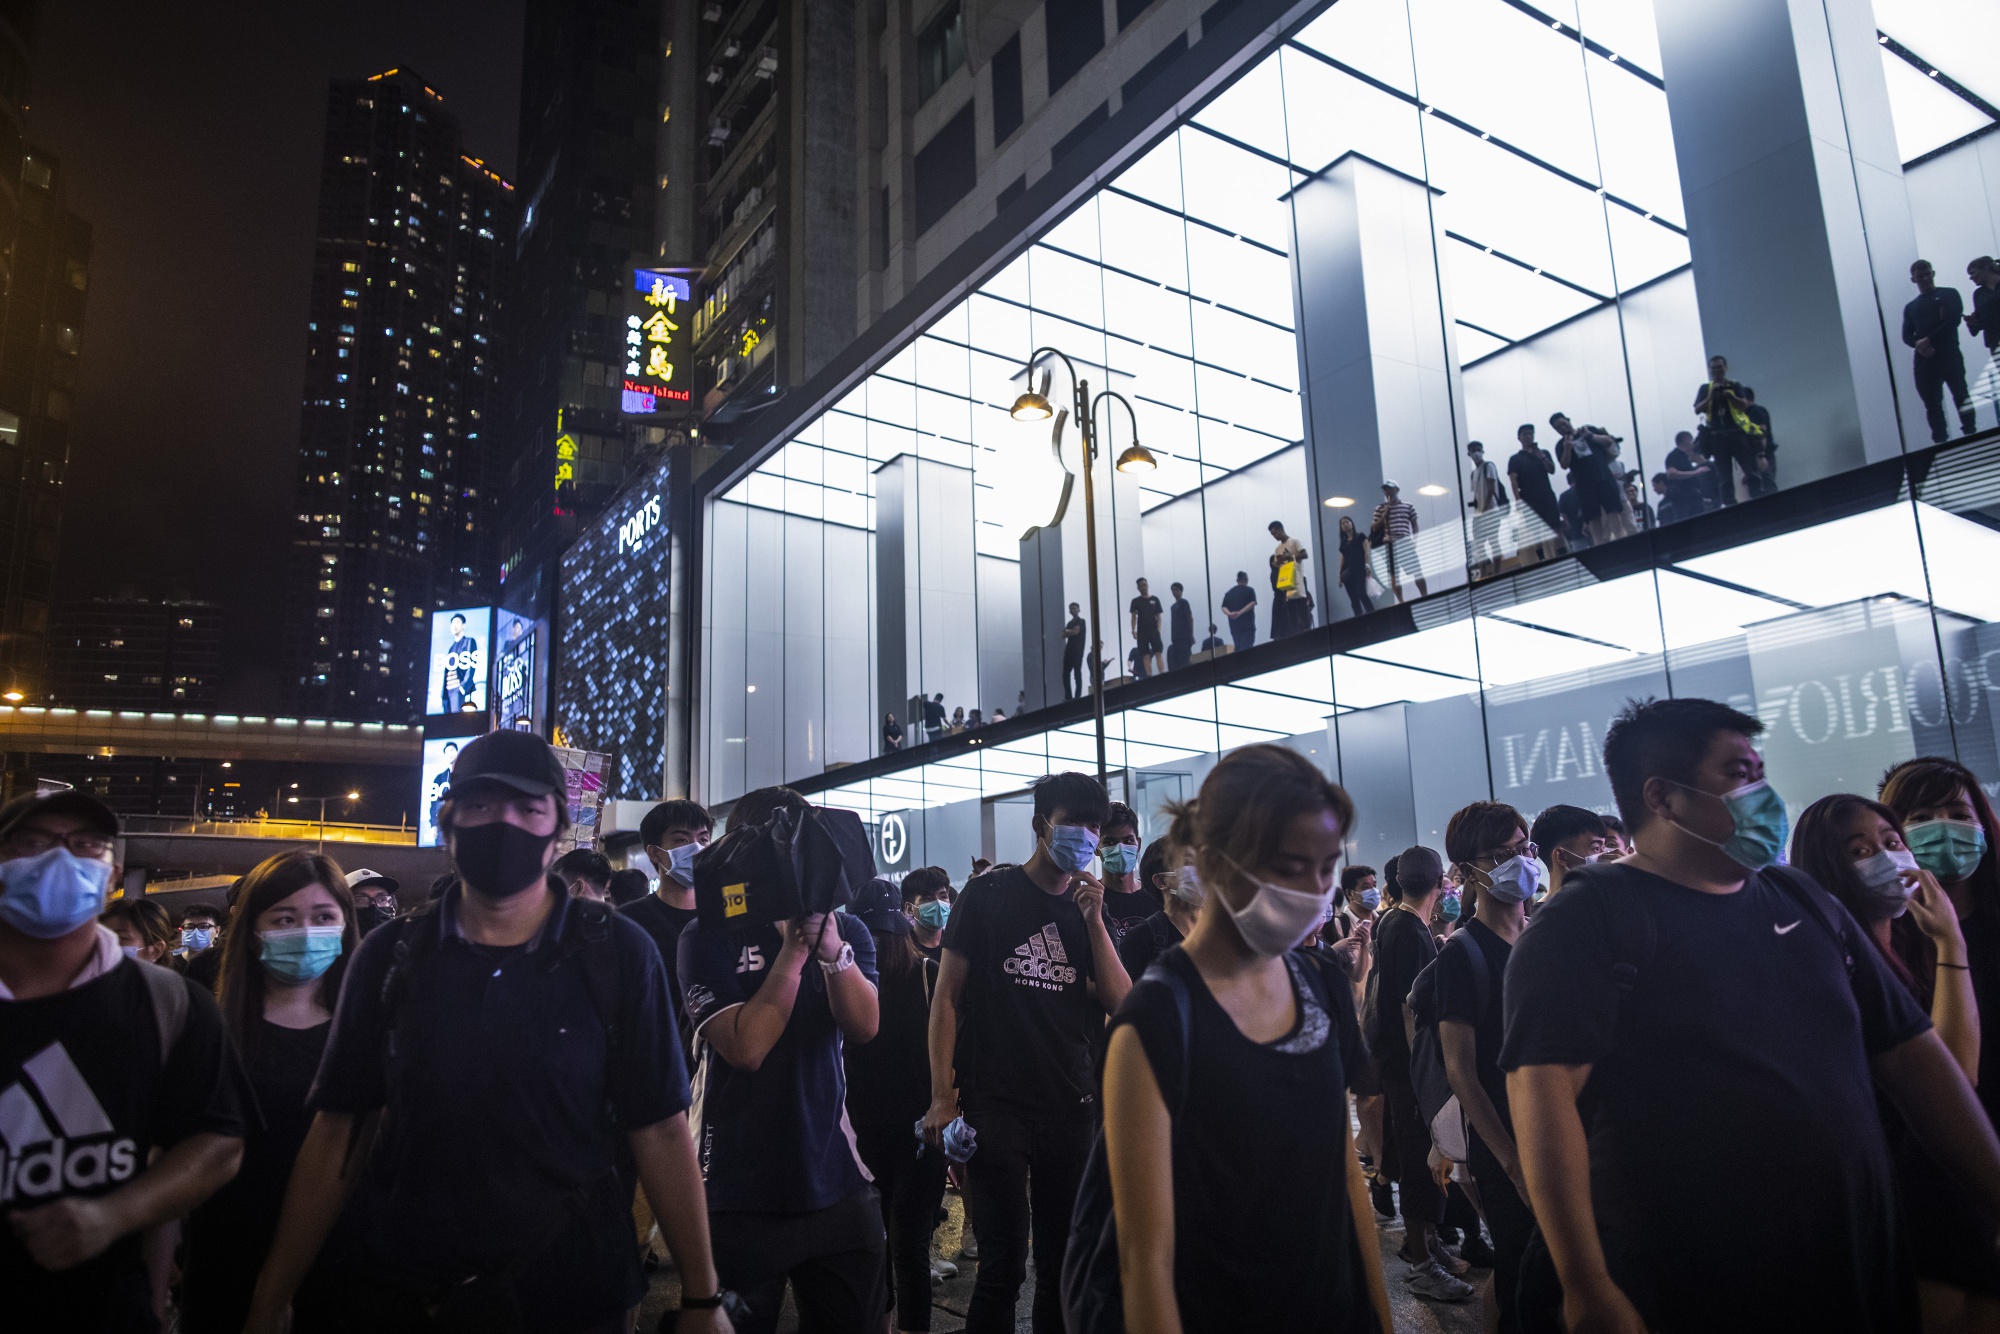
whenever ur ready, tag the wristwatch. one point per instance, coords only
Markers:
(841, 961)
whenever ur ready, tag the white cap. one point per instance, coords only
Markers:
(1389, 485)
(356, 879)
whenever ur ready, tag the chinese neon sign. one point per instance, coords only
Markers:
(656, 343)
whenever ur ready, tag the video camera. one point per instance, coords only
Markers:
(793, 865)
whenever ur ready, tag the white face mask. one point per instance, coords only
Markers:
(680, 862)
(1276, 919)
(1517, 879)
(1188, 887)
(1882, 877)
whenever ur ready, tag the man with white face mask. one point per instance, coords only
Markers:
(1570, 838)
(1488, 842)
(1029, 973)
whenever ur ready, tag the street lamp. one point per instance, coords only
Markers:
(1034, 406)
(349, 797)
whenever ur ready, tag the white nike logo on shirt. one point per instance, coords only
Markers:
(1781, 930)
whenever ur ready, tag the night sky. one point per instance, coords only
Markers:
(190, 139)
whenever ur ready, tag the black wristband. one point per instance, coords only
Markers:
(701, 1303)
(1961, 967)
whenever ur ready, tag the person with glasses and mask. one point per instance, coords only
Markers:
(374, 899)
(201, 943)
(1722, 1010)
(1228, 1064)
(501, 1064)
(1570, 838)
(1488, 842)
(122, 1104)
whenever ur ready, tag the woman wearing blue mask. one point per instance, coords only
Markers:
(289, 939)
(1858, 851)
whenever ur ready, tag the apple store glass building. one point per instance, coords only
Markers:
(1435, 285)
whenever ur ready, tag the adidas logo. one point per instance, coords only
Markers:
(1041, 960)
(54, 1132)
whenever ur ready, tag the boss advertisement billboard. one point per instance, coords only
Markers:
(458, 678)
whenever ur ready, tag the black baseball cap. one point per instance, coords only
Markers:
(518, 760)
(59, 802)
(1418, 869)
(880, 908)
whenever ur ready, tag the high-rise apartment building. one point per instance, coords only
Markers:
(394, 506)
(136, 653)
(44, 273)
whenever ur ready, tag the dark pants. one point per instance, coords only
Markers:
(834, 1260)
(1734, 447)
(1934, 374)
(912, 1187)
(1357, 595)
(1243, 632)
(1403, 1122)
(1545, 509)
(1073, 676)
(1511, 1222)
(1023, 1180)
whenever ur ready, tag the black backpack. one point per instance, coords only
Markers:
(1428, 1076)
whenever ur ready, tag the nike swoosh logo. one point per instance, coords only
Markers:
(1783, 930)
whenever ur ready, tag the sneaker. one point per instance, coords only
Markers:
(968, 1247)
(1445, 1260)
(1428, 1280)
(942, 1269)
(1385, 1202)
(1477, 1252)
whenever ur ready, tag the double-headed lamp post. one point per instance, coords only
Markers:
(349, 797)
(1034, 406)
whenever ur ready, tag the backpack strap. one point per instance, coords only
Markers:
(1482, 968)
(1176, 986)
(168, 991)
(588, 938)
(1630, 931)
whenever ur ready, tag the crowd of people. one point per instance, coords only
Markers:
(1692, 1068)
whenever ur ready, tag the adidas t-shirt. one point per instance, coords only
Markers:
(774, 1139)
(83, 1100)
(1027, 1017)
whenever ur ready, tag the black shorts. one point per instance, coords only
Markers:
(1149, 640)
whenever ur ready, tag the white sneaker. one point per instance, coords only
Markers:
(969, 1248)
(1429, 1280)
(942, 1269)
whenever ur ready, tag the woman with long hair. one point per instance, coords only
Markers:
(1249, 1090)
(888, 1092)
(290, 937)
(1354, 567)
(1858, 851)
(143, 929)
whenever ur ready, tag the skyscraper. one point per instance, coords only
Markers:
(42, 286)
(394, 509)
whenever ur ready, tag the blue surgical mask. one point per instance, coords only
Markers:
(1071, 847)
(1119, 858)
(1369, 899)
(197, 938)
(1517, 879)
(680, 862)
(299, 954)
(1448, 907)
(53, 893)
(1948, 849)
(1761, 825)
(933, 914)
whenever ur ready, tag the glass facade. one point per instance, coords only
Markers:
(1413, 226)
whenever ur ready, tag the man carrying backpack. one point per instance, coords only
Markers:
(500, 1062)
(1488, 842)
(1732, 1024)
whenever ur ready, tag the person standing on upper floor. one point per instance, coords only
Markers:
(1390, 532)
(1765, 480)
(501, 1064)
(1128, 899)
(888, 1091)
(1180, 629)
(789, 1198)
(927, 897)
(892, 733)
(1529, 467)
(1489, 506)
(1235, 1189)
(1146, 613)
(1722, 1010)
(935, 725)
(1288, 582)
(1930, 330)
(122, 1103)
(957, 721)
(1985, 321)
(1354, 567)
(1590, 454)
(1569, 838)
(1855, 848)
(1729, 436)
(1029, 973)
(1690, 481)
(1403, 946)
(292, 935)
(1239, 608)
(1488, 842)
(1949, 827)
(1074, 642)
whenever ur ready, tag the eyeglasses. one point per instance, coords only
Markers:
(35, 842)
(1498, 855)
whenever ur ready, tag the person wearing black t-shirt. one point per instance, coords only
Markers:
(1247, 1088)
(1239, 607)
(202, 936)
(1146, 613)
(1403, 945)
(1749, 1034)
(1128, 899)
(1171, 872)
(122, 1104)
(1529, 468)
(1690, 481)
(888, 1091)
(520, 1050)
(927, 897)
(673, 834)
(789, 1198)
(1029, 973)
(291, 933)
(1180, 635)
(1488, 843)
(1072, 660)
